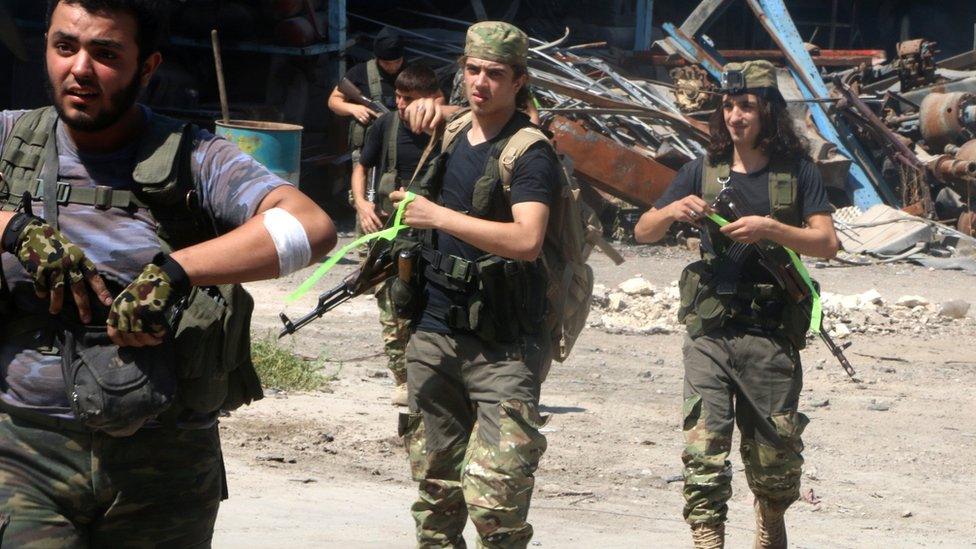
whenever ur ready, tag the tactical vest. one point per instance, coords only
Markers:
(357, 131)
(713, 291)
(548, 297)
(213, 366)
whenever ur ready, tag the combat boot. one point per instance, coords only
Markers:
(770, 526)
(708, 536)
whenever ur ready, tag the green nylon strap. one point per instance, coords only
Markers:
(387, 234)
(816, 311)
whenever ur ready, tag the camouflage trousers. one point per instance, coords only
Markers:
(157, 488)
(472, 437)
(769, 369)
(396, 333)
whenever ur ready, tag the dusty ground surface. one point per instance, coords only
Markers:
(890, 458)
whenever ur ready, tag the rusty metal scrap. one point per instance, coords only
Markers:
(916, 63)
(615, 169)
(947, 118)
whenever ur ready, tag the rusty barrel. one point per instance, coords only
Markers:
(275, 145)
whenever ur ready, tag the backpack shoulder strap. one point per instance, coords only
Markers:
(514, 149)
(457, 124)
(783, 185)
(373, 80)
(714, 177)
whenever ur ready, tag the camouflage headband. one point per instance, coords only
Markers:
(497, 41)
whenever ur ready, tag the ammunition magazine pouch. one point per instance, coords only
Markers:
(753, 307)
(506, 298)
(214, 369)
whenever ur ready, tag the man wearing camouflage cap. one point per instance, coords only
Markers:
(474, 363)
(744, 333)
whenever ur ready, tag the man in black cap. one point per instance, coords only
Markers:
(375, 79)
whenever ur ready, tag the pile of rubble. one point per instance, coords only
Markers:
(869, 313)
(637, 306)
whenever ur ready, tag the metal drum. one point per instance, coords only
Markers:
(276, 145)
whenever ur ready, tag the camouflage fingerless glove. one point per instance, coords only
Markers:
(143, 305)
(46, 254)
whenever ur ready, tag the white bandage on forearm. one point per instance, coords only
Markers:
(290, 240)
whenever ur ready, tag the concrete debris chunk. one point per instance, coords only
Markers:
(615, 302)
(636, 286)
(957, 308)
(911, 301)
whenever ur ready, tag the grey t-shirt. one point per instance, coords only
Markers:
(230, 183)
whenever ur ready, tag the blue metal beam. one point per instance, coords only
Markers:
(776, 19)
(337, 30)
(689, 51)
(643, 31)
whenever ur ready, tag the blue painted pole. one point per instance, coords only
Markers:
(690, 53)
(643, 31)
(337, 31)
(776, 19)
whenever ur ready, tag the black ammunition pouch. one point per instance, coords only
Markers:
(116, 389)
(212, 337)
(506, 298)
(706, 305)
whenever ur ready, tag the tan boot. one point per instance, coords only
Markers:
(708, 536)
(770, 526)
(399, 397)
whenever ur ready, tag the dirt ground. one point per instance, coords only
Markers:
(890, 459)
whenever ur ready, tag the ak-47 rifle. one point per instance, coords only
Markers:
(375, 269)
(784, 272)
(353, 95)
(378, 265)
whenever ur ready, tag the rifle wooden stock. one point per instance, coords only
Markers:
(353, 95)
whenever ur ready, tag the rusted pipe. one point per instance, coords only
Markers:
(945, 168)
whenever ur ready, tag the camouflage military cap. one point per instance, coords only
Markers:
(497, 41)
(751, 75)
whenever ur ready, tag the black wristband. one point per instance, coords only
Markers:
(11, 234)
(179, 281)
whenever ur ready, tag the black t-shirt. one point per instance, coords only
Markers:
(811, 195)
(410, 147)
(535, 178)
(358, 76)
